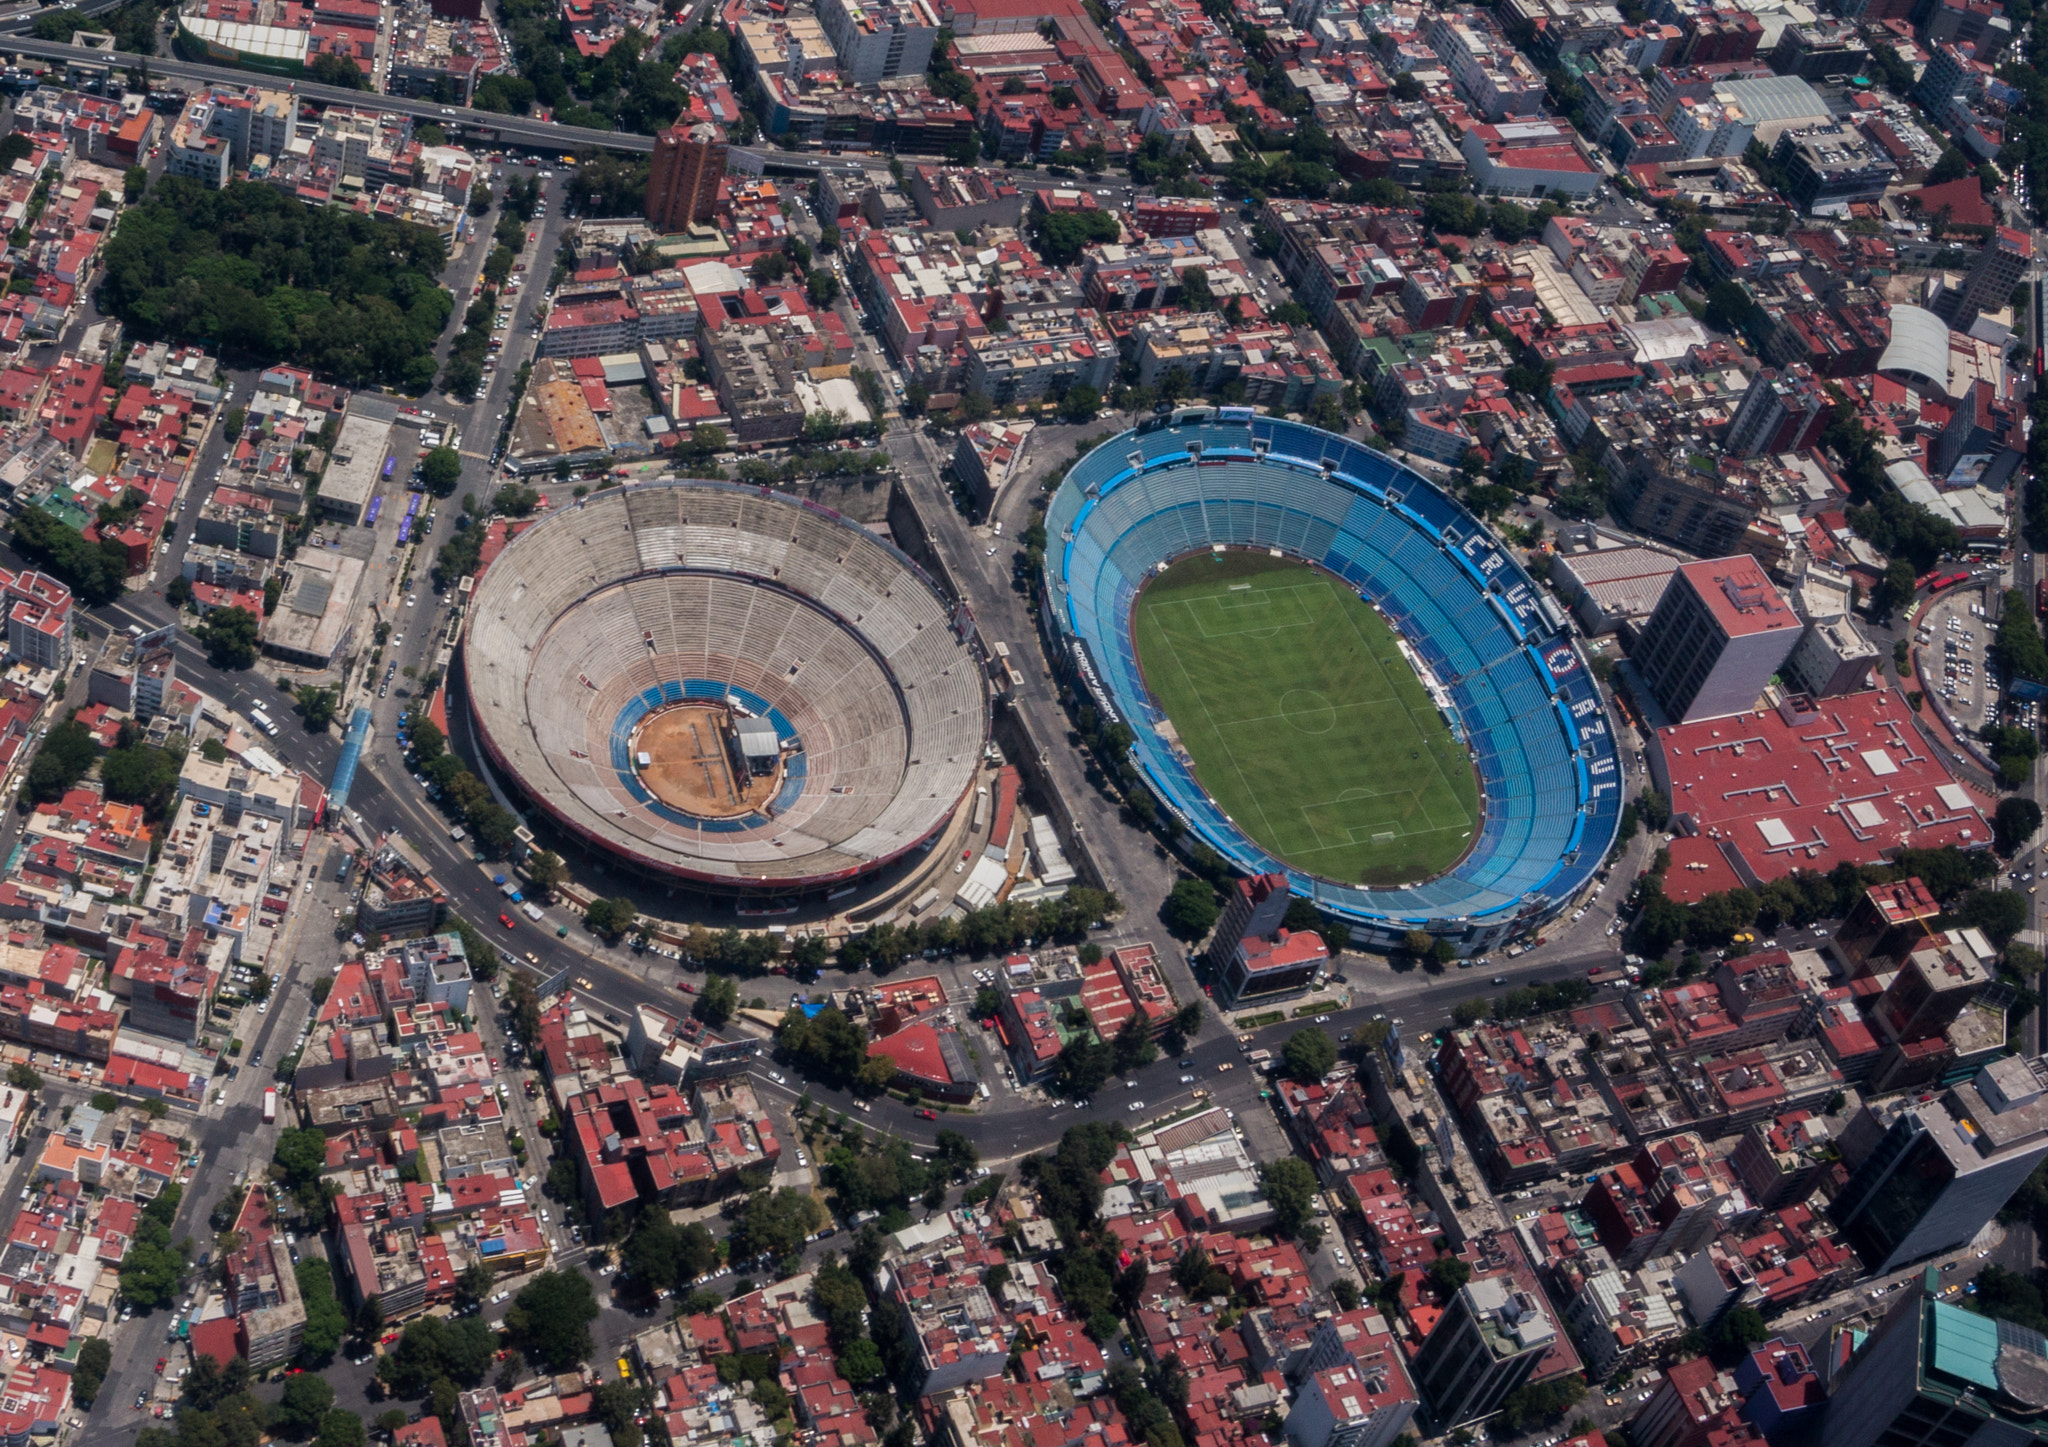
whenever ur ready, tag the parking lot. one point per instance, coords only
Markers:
(1953, 639)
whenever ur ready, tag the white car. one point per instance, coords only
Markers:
(1135, 1105)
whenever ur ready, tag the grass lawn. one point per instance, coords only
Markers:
(1303, 720)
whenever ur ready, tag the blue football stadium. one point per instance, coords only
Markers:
(1510, 681)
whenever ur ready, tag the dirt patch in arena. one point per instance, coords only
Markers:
(690, 767)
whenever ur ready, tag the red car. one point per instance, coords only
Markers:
(507, 921)
(927, 1115)
(686, 987)
(160, 1365)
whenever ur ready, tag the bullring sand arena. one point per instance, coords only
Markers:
(690, 767)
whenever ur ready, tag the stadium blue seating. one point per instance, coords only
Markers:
(1545, 827)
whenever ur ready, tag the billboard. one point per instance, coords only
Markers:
(155, 638)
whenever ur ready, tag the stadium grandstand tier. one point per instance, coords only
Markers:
(677, 595)
(1201, 479)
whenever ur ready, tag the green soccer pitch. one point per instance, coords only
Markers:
(1303, 720)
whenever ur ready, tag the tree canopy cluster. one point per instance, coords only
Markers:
(1060, 236)
(66, 756)
(2018, 648)
(229, 635)
(1798, 899)
(138, 772)
(432, 1348)
(1309, 1054)
(1070, 1179)
(95, 571)
(326, 1322)
(992, 929)
(550, 1319)
(154, 1265)
(660, 1253)
(775, 1223)
(491, 822)
(828, 1046)
(219, 1410)
(249, 269)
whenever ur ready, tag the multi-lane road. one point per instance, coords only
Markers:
(463, 123)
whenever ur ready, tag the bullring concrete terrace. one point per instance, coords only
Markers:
(639, 598)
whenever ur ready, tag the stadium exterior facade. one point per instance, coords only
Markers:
(1516, 689)
(641, 598)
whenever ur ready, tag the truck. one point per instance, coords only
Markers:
(270, 1107)
(262, 721)
(530, 910)
(511, 891)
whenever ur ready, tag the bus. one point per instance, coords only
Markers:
(389, 464)
(370, 517)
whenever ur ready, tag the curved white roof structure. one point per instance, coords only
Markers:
(638, 599)
(1917, 354)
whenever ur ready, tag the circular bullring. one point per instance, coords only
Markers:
(1499, 659)
(724, 686)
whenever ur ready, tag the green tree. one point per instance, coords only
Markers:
(1061, 235)
(326, 1322)
(1895, 589)
(178, 265)
(2000, 913)
(1083, 1064)
(306, 1402)
(2015, 823)
(546, 872)
(229, 635)
(1190, 910)
(610, 917)
(954, 1154)
(774, 1224)
(550, 1319)
(861, 1364)
(89, 1372)
(1449, 1273)
(1309, 1054)
(440, 470)
(1735, 1332)
(1291, 1188)
(94, 571)
(61, 762)
(716, 1001)
(316, 706)
(475, 1284)
(1080, 404)
(300, 1156)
